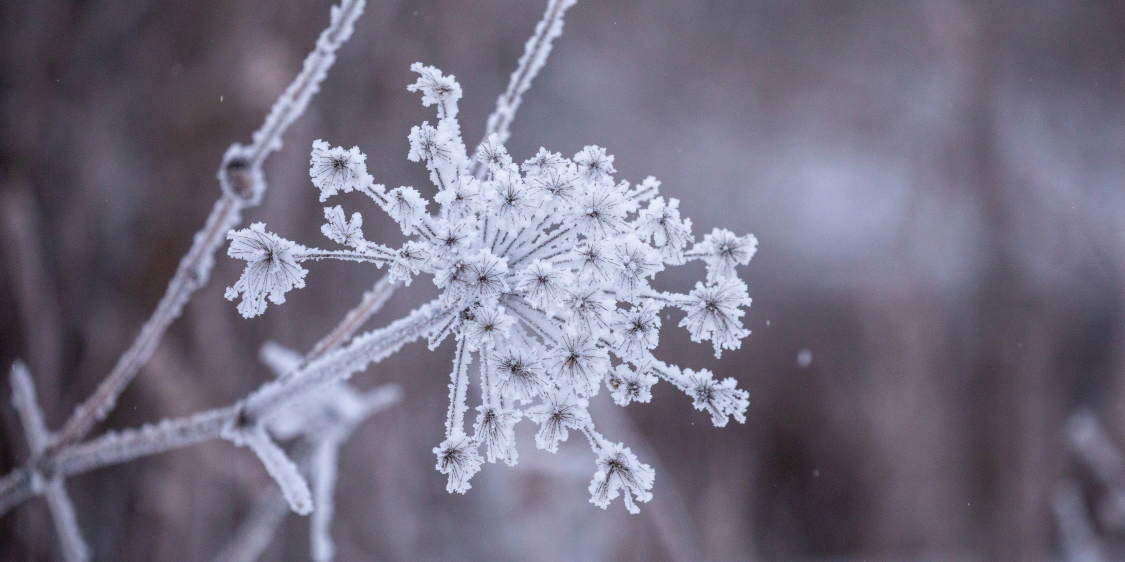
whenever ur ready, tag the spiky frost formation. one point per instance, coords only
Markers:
(544, 270)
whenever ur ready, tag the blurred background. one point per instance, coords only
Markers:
(937, 187)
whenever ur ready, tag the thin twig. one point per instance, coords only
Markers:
(534, 57)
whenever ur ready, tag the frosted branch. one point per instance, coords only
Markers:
(243, 185)
(535, 53)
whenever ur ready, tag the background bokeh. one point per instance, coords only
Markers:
(937, 186)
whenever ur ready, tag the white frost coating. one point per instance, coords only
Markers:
(552, 258)
(283, 471)
(535, 53)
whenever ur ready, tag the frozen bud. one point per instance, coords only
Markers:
(521, 372)
(635, 262)
(560, 183)
(493, 154)
(425, 144)
(637, 330)
(341, 231)
(485, 327)
(579, 363)
(436, 89)
(543, 284)
(589, 310)
(458, 199)
(513, 201)
(406, 207)
(670, 234)
(542, 162)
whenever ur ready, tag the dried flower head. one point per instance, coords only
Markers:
(544, 271)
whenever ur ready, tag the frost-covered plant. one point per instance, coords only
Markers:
(544, 271)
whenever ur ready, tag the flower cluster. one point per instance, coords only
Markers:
(544, 269)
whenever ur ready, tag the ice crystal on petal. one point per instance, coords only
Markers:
(272, 268)
(619, 469)
(335, 169)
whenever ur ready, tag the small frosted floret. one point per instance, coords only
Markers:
(637, 330)
(719, 398)
(713, 313)
(334, 169)
(619, 470)
(670, 234)
(723, 251)
(495, 431)
(629, 385)
(579, 363)
(342, 231)
(555, 417)
(459, 460)
(594, 164)
(272, 268)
